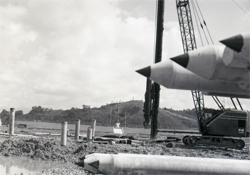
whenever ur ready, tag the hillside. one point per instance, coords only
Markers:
(127, 113)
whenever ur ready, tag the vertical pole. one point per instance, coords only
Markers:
(89, 133)
(147, 104)
(11, 121)
(93, 128)
(158, 55)
(77, 129)
(64, 134)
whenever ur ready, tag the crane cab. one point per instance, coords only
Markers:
(231, 123)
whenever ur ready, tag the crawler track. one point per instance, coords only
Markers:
(216, 141)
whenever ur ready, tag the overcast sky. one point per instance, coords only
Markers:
(65, 53)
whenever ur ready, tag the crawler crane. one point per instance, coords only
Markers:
(222, 128)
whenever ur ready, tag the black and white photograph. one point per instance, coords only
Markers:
(133, 87)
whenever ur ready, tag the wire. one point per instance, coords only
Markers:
(215, 98)
(204, 22)
(241, 8)
(201, 25)
(195, 13)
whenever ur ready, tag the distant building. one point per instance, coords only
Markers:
(86, 106)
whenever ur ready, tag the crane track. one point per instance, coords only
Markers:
(215, 141)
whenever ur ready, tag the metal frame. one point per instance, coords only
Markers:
(189, 43)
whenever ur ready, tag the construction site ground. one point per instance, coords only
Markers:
(35, 144)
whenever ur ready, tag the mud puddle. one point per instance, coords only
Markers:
(21, 165)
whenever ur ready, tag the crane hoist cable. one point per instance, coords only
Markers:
(197, 24)
(241, 8)
(215, 98)
(204, 22)
(196, 12)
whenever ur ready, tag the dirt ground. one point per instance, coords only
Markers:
(50, 149)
